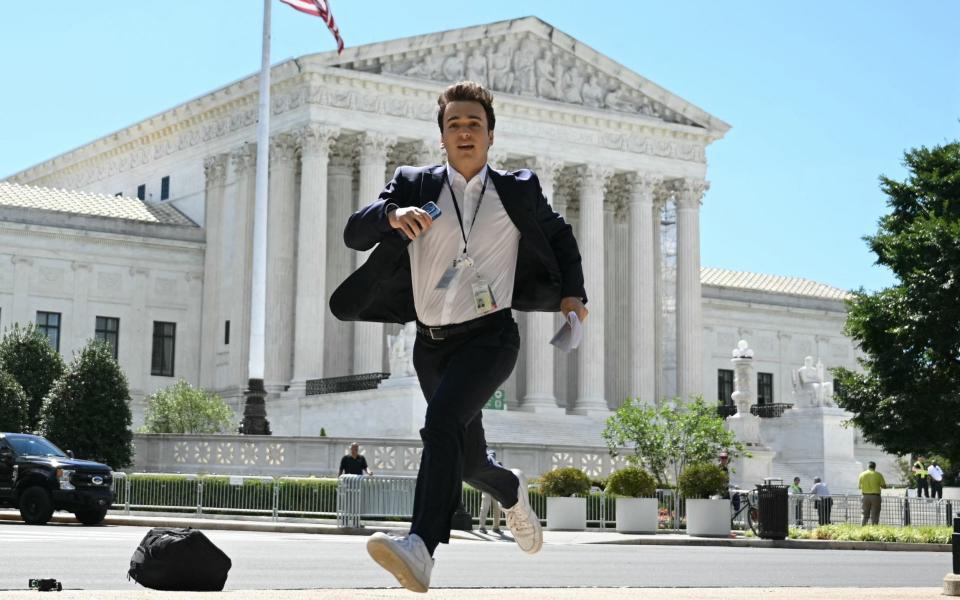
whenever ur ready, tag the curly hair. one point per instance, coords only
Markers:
(467, 91)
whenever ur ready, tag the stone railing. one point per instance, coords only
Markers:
(320, 456)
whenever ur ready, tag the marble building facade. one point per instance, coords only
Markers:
(623, 159)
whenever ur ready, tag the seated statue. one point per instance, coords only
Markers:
(810, 387)
(401, 351)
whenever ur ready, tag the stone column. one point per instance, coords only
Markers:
(689, 301)
(215, 175)
(22, 267)
(244, 163)
(281, 238)
(141, 332)
(642, 318)
(591, 376)
(83, 325)
(368, 337)
(540, 326)
(309, 341)
(338, 334)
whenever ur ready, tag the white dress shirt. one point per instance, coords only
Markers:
(935, 472)
(493, 242)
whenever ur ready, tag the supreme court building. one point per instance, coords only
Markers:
(151, 226)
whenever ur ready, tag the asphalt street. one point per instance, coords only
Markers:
(98, 557)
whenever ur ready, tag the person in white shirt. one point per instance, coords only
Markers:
(936, 480)
(823, 503)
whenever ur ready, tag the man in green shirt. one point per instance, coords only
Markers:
(796, 490)
(870, 485)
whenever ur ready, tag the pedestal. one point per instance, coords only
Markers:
(255, 410)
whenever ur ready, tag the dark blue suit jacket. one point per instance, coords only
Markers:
(548, 261)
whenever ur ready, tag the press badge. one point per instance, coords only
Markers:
(483, 298)
(461, 262)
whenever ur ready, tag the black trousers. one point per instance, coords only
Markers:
(458, 375)
(936, 488)
(922, 488)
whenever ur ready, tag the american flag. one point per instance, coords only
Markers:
(319, 8)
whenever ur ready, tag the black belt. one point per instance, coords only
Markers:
(443, 332)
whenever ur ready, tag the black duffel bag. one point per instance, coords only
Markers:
(179, 560)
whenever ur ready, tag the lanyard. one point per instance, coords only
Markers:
(466, 234)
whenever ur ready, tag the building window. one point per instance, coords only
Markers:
(165, 187)
(164, 345)
(724, 386)
(142, 191)
(226, 333)
(108, 330)
(764, 388)
(49, 324)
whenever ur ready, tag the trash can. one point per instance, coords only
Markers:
(774, 511)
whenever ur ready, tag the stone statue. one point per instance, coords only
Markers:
(621, 99)
(546, 77)
(453, 67)
(593, 92)
(810, 387)
(428, 68)
(401, 351)
(477, 68)
(501, 75)
(571, 84)
(524, 66)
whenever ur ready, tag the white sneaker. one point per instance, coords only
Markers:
(523, 521)
(406, 557)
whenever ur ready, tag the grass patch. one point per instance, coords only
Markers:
(875, 533)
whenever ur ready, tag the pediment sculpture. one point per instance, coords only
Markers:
(528, 66)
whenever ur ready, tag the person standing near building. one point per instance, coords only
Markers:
(920, 475)
(354, 463)
(495, 245)
(871, 483)
(823, 503)
(936, 480)
(489, 504)
(797, 492)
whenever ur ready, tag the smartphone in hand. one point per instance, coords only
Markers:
(431, 209)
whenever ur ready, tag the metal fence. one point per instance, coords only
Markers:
(809, 511)
(351, 499)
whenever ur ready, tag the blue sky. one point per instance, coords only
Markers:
(823, 96)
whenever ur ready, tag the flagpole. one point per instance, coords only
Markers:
(254, 412)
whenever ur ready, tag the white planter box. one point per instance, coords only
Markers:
(567, 514)
(637, 515)
(708, 518)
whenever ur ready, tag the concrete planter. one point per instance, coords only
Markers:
(568, 514)
(637, 515)
(708, 518)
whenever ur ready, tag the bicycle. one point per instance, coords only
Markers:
(744, 505)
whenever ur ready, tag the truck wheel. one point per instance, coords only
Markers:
(36, 507)
(93, 516)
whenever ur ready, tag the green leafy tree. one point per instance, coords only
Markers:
(182, 408)
(26, 353)
(907, 400)
(667, 438)
(14, 407)
(88, 408)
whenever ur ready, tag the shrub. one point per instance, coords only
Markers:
(182, 408)
(14, 406)
(632, 482)
(88, 408)
(567, 481)
(26, 353)
(703, 480)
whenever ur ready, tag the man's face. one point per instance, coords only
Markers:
(354, 450)
(465, 134)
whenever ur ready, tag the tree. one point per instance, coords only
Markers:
(88, 408)
(26, 353)
(14, 407)
(670, 436)
(907, 400)
(182, 408)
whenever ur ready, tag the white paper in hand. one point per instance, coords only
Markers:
(570, 334)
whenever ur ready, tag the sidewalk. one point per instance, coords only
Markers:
(593, 536)
(522, 594)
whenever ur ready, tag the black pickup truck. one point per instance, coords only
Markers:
(39, 478)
